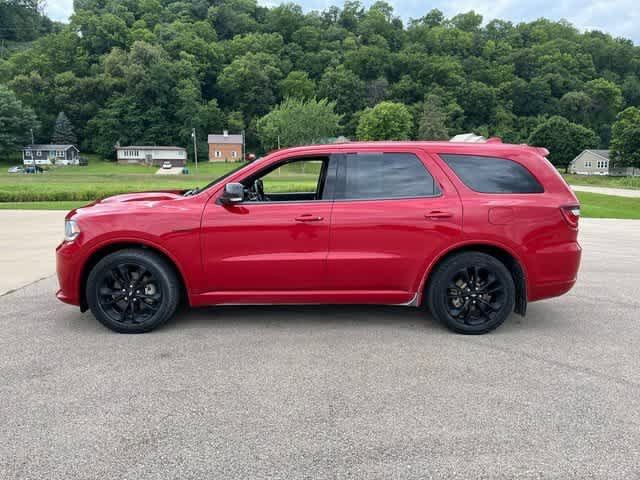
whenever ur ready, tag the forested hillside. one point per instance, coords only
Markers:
(22, 21)
(147, 71)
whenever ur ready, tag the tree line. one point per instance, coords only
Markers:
(148, 71)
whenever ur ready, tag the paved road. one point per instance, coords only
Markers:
(27, 242)
(618, 192)
(331, 392)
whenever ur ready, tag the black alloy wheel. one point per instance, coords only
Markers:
(129, 293)
(132, 291)
(471, 293)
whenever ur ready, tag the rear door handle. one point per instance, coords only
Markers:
(437, 214)
(307, 217)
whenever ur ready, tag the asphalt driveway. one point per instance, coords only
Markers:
(331, 392)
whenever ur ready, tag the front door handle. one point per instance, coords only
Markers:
(435, 214)
(307, 217)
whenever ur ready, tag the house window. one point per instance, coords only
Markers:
(60, 153)
(603, 163)
(218, 154)
(27, 153)
(234, 154)
(38, 153)
(587, 163)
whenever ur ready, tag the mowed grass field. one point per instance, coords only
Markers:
(64, 188)
(632, 183)
(101, 179)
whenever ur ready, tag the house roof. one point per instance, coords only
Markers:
(600, 153)
(149, 147)
(220, 138)
(49, 147)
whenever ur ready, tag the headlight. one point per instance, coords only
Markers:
(71, 230)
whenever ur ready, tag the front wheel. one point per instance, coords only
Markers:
(132, 291)
(471, 293)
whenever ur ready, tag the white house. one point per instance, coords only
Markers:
(597, 162)
(151, 155)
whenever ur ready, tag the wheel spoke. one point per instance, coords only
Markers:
(149, 306)
(470, 295)
(128, 293)
(483, 312)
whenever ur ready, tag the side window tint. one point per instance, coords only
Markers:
(385, 175)
(492, 175)
(301, 176)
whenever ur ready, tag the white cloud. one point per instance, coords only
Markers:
(617, 17)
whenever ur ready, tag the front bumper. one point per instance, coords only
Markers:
(68, 269)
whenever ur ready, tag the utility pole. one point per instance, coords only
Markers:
(195, 146)
(243, 148)
(32, 140)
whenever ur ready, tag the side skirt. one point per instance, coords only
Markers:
(314, 297)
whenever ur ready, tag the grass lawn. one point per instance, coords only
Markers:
(64, 188)
(603, 181)
(66, 205)
(595, 205)
(101, 179)
(98, 180)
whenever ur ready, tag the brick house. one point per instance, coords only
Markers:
(225, 147)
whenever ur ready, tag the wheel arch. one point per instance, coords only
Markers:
(105, 249)
(509, 258)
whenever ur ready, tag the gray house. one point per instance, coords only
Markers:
(596, 162)
(50, 155)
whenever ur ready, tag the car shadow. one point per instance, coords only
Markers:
(541, 317)
(303, 315)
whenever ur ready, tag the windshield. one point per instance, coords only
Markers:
(222, 177)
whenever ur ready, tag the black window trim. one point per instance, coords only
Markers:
(440, 157)
(341, 177)
(325, 175)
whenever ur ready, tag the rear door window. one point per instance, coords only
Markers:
(383, 176)
(492, 175)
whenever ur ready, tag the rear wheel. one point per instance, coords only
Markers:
(471, 293)
(132, 291)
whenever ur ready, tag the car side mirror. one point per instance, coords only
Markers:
(233, 193)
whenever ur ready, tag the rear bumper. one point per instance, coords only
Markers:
(555, 272)
(68, 270)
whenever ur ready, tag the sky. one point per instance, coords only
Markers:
(620, 18)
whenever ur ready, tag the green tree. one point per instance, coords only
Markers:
(432, 124)
(297, 85)
(385, 121)
(576, 106)
(298, 122)
(16, 122)
(344, 87)
(563, 139)
(63, 133)
(606, 99)
(625, 138)
(250, 82)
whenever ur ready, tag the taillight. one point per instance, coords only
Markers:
(571, 215)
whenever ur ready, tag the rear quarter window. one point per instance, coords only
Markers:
(492, 174)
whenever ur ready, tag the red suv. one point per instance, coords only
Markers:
(471, 231)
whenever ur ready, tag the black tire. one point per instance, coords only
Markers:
(132, 291)
(471, 293)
